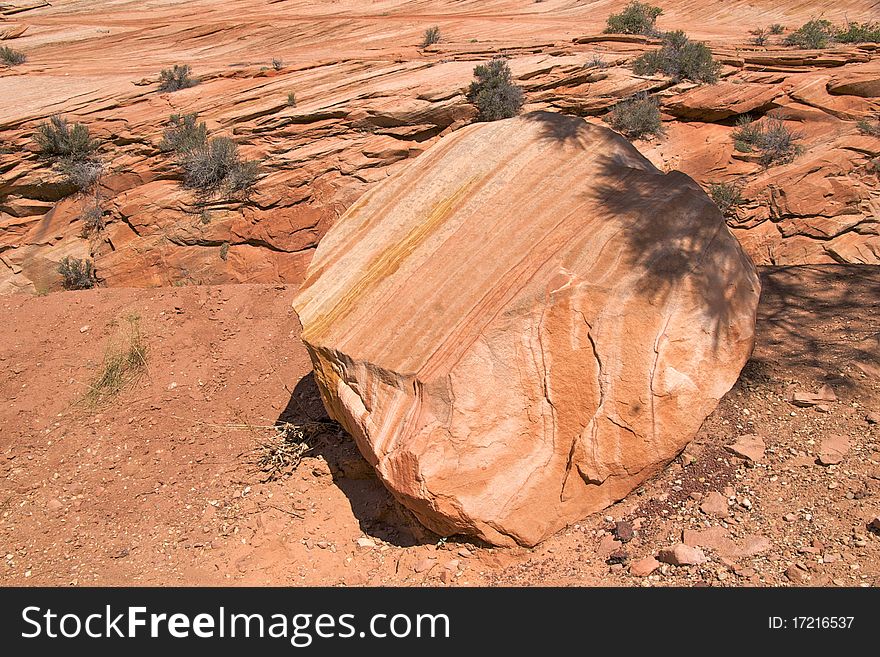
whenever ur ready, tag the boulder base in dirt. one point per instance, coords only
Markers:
(525, 324)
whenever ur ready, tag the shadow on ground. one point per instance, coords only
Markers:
(378, 513)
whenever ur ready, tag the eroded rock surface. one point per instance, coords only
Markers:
(525, 323)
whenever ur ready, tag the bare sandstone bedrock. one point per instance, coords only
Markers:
(525, 323)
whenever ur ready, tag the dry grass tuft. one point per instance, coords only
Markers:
(124, 363)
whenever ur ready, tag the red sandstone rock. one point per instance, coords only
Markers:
(525, 324)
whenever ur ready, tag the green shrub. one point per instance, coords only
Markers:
(775, 143)
(679, 58)
(291, 99)
(217, 167)
(11, 57)
(183, 134)
(494, 93)
(172, 79)
(277, 64)
(77, 274)
(812, 35)
(432, 36)
(776, 28)
(57, 138)
(859, 33)
(759, 36)
(636, 18)
(636, 117)
(727, 197)
(868, 128)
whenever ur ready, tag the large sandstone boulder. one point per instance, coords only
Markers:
(525, 323)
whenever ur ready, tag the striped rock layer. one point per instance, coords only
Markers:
(525, 323)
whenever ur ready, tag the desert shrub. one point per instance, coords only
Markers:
(776, 29)
(636, 117)
(81, 174)
(775, 143)
(727, 197)
(814, 34)
(859, 33)
(224, 251)
(868, 128)
(679, 58)
(172, 79)
(183, 134)
(596, 61)
(636, 18)
(277, 64)
(216, 167)
(93, 220)
(432, 36)
(759, 36)
(77, 274)
(494, 93)
(11, 57)
(746, 134)
(291, 99)
(242, 177)
(57, 138)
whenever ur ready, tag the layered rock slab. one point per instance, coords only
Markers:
(525, 323)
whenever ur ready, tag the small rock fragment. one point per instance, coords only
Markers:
(833, 449)
(715, 504)
(424, 565)
(682, 555)
(624, 531)
(644, 567)
(749, 446)
(796, 575)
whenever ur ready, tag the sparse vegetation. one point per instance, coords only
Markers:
(280, 454)
(494, 93)
(77, 274)
(10, 57)
(859, 33)
(596, 61)
(291, 99)
(125, 361)
(636, 117)
(183, 134)
(868, 128)
(277, 64)
(56, 138)
(216, 167)
(432, 36)
(759, 36)
(679, 58)
(775, 143)
(776, 29)
(727, 196)
(814, 34)
(636, 18)
(224, 251)
(93, 219)
(173, 79)
(81, 174)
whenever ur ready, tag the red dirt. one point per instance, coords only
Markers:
(159, 485)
